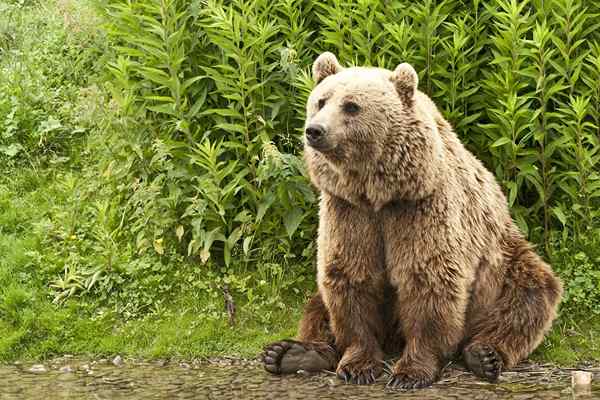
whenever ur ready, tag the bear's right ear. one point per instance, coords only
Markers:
(326, 64)
(406, 80)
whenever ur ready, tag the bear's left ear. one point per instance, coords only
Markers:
(406, 80)
(326, 64)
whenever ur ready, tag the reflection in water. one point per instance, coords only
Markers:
(77, 379)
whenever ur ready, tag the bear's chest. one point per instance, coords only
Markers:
(408, 234)
(420, 243)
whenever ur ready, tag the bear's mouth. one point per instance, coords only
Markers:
(324, 148)
(320, 144)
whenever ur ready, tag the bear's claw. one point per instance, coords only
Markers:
(484, 361)
(407, 382)
(360, 371)
(366, 377)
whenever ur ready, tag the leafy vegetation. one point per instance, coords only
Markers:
(151, 168)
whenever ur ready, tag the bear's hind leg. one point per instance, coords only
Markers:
(515, 324)
(312, 352)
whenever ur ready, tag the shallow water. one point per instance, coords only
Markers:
(79, 379)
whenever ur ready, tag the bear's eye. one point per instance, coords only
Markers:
(351, 107)
(321, 103)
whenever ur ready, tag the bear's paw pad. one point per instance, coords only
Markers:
(290, 356)
(484, 361)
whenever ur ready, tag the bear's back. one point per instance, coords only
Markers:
(483, 208)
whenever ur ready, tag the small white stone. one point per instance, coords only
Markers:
(66, 369)
(37, 368)
(581, 379)
(117, 361)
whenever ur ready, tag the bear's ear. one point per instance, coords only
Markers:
(326, 64)
(406, 80)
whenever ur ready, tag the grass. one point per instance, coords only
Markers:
(63, 332)
(67, 332)
(33, 327)
(571, 341)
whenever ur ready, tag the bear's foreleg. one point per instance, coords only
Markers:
(432, 336)
(352, 279)
(358, 329)
(432, 300)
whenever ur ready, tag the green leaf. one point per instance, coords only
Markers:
(501, 141)
(292, 220)
(558, 213)
(237, 128)
(163, 109)
(264, 205)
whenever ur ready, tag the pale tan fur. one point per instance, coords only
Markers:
(405, 206)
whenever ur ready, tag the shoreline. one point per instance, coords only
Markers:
(233, 361)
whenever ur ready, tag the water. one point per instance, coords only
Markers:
(79, 379)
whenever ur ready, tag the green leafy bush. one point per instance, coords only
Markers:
(217, 91)
(207, 170)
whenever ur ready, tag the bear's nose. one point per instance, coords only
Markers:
(315, 133)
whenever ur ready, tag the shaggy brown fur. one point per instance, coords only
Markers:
(417, 252)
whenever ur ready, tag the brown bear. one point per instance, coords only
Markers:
(417, 252)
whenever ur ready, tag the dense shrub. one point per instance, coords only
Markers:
(217, 91)
(205, 162)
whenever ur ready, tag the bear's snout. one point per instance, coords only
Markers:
(315, 136)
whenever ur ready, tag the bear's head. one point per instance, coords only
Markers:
(371, 125)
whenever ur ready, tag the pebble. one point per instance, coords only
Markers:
(37, 368)
(184, 365)
(117, 361)
(66, 369)
(581, 380)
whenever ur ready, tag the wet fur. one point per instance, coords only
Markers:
(417, 252)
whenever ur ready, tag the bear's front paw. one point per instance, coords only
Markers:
(361, 370)
(409, 378)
